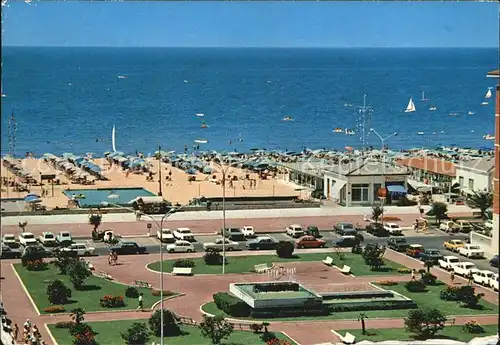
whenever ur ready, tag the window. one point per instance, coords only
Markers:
(359, 192)
(471, 184)
(461, 181)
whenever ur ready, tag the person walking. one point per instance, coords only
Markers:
(413, 271)
(470, 279)
(15, 331)
(141, 302)
(452, 277)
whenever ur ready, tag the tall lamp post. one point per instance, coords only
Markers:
(160, 227)
(160, 156)
(383, 192)
(223, 171)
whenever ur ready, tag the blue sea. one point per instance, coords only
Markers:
(68, 99)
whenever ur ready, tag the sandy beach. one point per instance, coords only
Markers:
(178, 189)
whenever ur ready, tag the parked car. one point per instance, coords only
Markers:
(494, 261)
(397, 244)
(248, 231)
(471, 251)
(184, 234)
(414, 250)
(464, 226)
(453, 245)
(9, 253)
(483, 277)
(27, 239)
(312, 230)
(377, 229)
(165, 236)
(180, 246)
(488, 224)
(47, 239)
(309, 242)
(464, 268)
(81, 249)
(216, 246)
(448, 261)
(35, 252)
(345, 228)
(64, 238)
(234, 234)
(125, 248)
(449, 226)
(493, 283)
(295, 230)
(393, 229)
(10, 241)
(432, 255)
(262, 242)
(346, 241)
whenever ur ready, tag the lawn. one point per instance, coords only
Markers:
(245, 264)
(449, 332)
(88, 298)
(429, 299)
(109, 334)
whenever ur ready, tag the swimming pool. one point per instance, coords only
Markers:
(95, 197)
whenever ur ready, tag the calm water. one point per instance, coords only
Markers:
(68, 99)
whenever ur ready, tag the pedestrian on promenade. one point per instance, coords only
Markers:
(416, 225)
(15, 331)
(141, 303)
(469, 278)
(110, 258)
(413, 271)
(452, 277)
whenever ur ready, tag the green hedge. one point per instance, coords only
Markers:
(231, 305)
(289, 312)
(387, 305)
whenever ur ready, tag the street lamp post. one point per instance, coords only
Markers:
(383, 140)
(160, 227)
(159, 170)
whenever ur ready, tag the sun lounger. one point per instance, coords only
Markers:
(260, 268)
(186, 271)
(328, 261)
(346, 269)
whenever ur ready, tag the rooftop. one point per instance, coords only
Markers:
(366, 168)
(485, 164)
(494, 74)
(437, 166)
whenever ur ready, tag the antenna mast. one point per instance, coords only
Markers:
(364, 120)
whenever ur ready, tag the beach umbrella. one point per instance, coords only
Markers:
(32, 194)
(32, 199)
(349, 148)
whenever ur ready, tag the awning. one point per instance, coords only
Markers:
(337, 186)
(396, 189)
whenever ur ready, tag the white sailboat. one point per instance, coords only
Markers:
(486, 97)
(411, 106)
(113, 133)
(432, 108)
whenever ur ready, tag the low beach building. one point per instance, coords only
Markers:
(475, 175)
(357, 183)
(308, 174)
(430, 172)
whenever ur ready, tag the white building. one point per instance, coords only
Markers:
(357, 183)
(475, 175)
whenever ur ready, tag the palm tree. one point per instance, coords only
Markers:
(95, 220)
(481, 200)
(77, 315)
(362, 317)
(439, 210)
(428, 264)
(376, 213)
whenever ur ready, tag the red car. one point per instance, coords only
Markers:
(309, 242)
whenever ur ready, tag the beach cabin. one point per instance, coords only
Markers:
(308, 174)
(357, 183)
(431, 172)
(475, 175)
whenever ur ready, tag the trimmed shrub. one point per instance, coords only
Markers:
(428, 278)
(55, 309)
(231, 305)
(57, 292)
(285, 249)
(357, 249)
(184, 263)
(64, 324)
(465, 295)
(404, 270)
(387, 283)
(110, 301)
(170, 325)
(166, 293)
(137, 334)
(415, 286)
(213, 258)
(256, 327)
(36, 265)
(268, 336)
(131, 292)
(472, 327)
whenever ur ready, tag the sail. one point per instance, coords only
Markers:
(488, 94)
(411, 106)
(113, 138)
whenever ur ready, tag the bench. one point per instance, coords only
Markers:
(328, 261)
(450, 321)
(346, 269)
(260, 268)
(348, 338)
(141, 283)
(104, 275)
(187, 271)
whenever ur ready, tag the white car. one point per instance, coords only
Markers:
(471, 251)
(184, 234)
(81, 249)
(47, 239)
(447, 262)
(180, 246)
(449, 226)
(483, 277)
(248, 231)
(464, 268)
(27, 238)
(216, 246)
(393, 228)
(10, 240)
(493, 283)
(295, 230)
(489, 224)
(165, 235)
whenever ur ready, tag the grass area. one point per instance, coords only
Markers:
(245, 264)
(109, 334)
(429, 299)
(87, 298)
(449, 332)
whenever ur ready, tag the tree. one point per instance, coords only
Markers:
(23, 225)
(429, 264)
(95, 220)
(170, 326)
(373, 254)
(78, 272)
(285, 249)
(216, 328)
(137, 334)
(439, 210)
(376, 213)
(213, 258)
(64, 260)
(77, 315)
(467, 297)
(425, 323)
(481, 200)
(57, 292)
(362, 317)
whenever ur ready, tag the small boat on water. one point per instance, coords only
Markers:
(470, 112)
(204, 125)
(432, 108)
(349, 132)
(410, 108)
(489, 137)
(420, 133)
(288, 118)
(453, 114)
(200, 115)
(487, 96)
(201, 141)
(338, 130)
(347, 105)
(122, 77)
(423, 97)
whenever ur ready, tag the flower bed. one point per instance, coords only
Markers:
(166, 293)
(404, 270)
(55, 309)
(35, 265)
(110, 301)
(387, 283)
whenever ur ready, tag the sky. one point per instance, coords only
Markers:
(251, 24)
